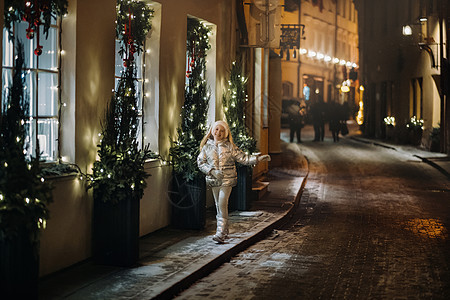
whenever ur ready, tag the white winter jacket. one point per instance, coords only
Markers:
(222, 157)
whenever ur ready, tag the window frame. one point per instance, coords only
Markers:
(35, 118)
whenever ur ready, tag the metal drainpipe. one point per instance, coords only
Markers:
(335, 98)
(441, 60)
(298, 56)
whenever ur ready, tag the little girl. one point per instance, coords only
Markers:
(217, 158)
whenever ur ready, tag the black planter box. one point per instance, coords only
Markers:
(241, 195)
(116, 232)
(19, 267)
(188, 202)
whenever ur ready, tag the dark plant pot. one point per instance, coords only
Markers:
(19, 267)
(435, 146)
(115, 236)
(188, 202)
(416, 137)
(389, 132)
(241, 195)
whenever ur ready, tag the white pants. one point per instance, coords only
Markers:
(221, 195)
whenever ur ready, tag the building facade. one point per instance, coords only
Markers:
(403, 49)
(82, 65)
(326, 58)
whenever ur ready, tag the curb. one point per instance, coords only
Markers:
(212, 265)
(424, 159)
(435, 165)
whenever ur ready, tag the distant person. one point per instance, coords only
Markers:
(306, 92)
(296, 113)
(318, 119)
(335, 116)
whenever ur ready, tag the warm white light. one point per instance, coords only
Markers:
(407, 30)
(361, 88)
(320, 55)
(349, 64)
(354, 65)
(342, 62)
(335, 60)
(423, 19)
(327, 58)
(303, 51)
(312, 53)
(345, 89)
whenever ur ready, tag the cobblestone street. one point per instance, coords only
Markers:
(372, 224)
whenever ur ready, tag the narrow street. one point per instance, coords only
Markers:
(372, 224)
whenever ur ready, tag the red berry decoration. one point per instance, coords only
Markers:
(30, 34)
(38, 50)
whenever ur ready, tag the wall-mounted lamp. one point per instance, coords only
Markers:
(407, 30)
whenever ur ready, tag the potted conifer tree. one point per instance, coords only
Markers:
(24, 194)
(118, 178)
(188, 183)
(234, 106)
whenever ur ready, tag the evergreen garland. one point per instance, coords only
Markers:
(194, 112)
(37, 11)
(24, 194)
(134, 21)
(234, 106)
(119, 173)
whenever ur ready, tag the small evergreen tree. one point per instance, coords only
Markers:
(234, 106)
(119, 173)
(194, 112)
(24, 194)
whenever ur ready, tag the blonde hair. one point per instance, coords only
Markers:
(209, 135)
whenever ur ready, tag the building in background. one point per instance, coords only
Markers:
(323, 63)
(403, 52)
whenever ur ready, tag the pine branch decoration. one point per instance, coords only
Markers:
(234, 106)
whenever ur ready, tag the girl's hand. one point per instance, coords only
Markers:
(264, 157)
(217, 174)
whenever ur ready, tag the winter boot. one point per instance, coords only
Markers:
(219, 237)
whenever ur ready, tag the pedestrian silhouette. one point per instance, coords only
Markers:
(335, 119)
(318, 119)
(296, 112)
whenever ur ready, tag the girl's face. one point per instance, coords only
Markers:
(219, 133)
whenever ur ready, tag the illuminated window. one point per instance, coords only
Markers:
(41, 86)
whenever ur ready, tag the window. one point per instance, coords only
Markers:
(288, 88)
(41, 86)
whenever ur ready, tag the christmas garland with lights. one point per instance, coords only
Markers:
(36, 13)
(185, 150)
(24, 194)
(134, 21)
(234, 107)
